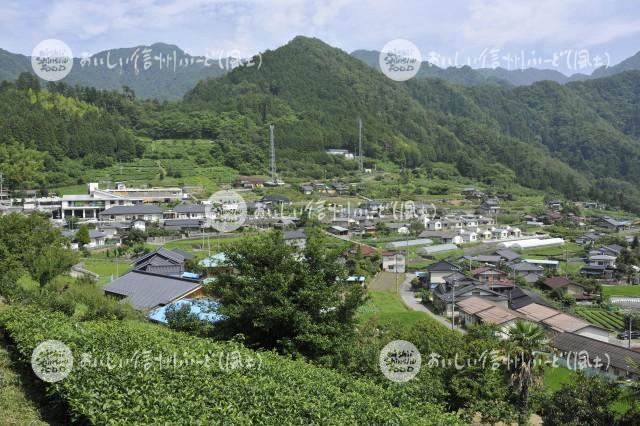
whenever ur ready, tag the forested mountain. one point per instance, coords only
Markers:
(468, 76)
(40, 129)
(580, 139)
(160, 71)
(162, 81)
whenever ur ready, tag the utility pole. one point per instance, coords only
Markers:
(274, 179)
(453, 306)
(1, 182)
(395, 258)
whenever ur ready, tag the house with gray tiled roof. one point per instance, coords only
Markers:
(146, 291)
(146, 212)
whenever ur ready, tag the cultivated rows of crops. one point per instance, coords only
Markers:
(137, 373)
(611, 320)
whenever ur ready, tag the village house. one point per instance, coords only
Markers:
(89, 206)
(559, 322)
(476, 310)
(192, 211)
(490, 206)
(603, 357)
(439, 270)
(611, 224)
(249, 182)
(471, 192)
(487, 274)
(146, 291)
(445, 295)
(602, 260)
(163, 261)
(568, 286)
(148, 195)
(296, 239)
(96, 238)
(344, 153)
(146, 212)
(306, 189)
(529, 272)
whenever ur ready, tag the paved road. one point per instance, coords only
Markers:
(408, 297)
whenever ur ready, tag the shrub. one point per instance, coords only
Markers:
(264, 388)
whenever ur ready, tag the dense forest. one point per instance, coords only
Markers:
(578, 139)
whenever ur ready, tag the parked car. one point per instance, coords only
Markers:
(625, 335)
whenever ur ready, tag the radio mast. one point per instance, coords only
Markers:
(360, 163)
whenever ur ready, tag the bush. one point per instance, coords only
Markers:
(260, 388)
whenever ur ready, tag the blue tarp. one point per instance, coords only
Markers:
(219, 259)
(207, 310)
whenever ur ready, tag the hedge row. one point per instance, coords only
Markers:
(110, 384)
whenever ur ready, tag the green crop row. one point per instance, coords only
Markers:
(610, 320)
(139, 373)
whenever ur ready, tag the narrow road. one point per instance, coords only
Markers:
(408, 297)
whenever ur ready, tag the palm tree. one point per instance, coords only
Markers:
(524, 349)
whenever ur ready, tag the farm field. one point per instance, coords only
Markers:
(613, 321)
(388, 307)
(621, 290)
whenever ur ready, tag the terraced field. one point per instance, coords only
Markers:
(613, 321)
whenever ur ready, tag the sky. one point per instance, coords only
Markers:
(567, 35)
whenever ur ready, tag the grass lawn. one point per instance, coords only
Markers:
(388, 307)
(17, 406)
(554, 378)
(621, 290)
(107, 267)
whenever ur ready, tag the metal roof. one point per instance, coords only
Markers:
(135, 209)
(146, 291)
(615, 356)
(189, 208)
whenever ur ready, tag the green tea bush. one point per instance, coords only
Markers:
(134, 387)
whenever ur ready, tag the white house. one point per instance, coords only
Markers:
(468, 236)
(393, 261)
(146, 212)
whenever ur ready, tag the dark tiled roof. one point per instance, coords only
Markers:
(510, 255)
(618, 356)
(520, 297)
(188, 223)
(171, 255)
(136, 209)
(189, 208)
(559, 282)
(298, 234)
(146, 291)
(443, 266)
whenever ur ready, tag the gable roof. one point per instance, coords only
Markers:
(146, 291)
(538, 312)
(525, 267)
(559, 282)
(173, 256)
(135, 209)
(189, 208)
(443, 266)
(617, 356)
(519, 298)
(486, 258)
(507, 254)
(474, 304)
(297, 234)
(564, 322)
